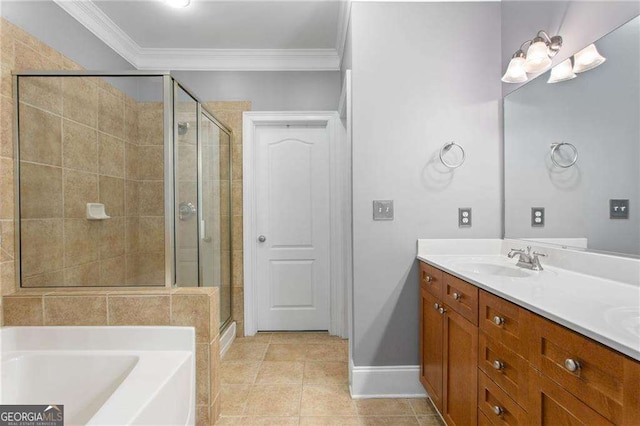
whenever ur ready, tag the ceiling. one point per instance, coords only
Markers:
(219, 34)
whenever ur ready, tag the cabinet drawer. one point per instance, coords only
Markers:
(549, 404)
(504, 367)
(499, 408)
(503, 321)
(462, 297)
(589, 370)
(431, 279)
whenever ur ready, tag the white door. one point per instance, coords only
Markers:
(292, 205)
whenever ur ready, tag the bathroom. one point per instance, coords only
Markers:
(141, 145)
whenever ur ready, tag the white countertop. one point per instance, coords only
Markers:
(605, 310)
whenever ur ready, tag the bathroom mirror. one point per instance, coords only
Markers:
(591, 120)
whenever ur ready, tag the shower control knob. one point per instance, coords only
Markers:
(262, 238)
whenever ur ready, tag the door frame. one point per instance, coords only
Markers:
(339, 217)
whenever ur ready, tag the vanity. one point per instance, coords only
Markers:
(501, 344)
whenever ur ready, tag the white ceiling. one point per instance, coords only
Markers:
(300, 35)
(227, 24)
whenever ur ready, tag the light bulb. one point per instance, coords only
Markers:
(587, 59)
(537, 57)
(562, 72)
(178, 3)
(515, 71)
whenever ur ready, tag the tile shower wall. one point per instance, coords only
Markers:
(230, 113)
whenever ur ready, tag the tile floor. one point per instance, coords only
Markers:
(302, 379)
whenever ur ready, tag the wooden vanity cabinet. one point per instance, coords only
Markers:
(497, 363)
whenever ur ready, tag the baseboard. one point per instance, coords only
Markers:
(397, 381)
(227, 338)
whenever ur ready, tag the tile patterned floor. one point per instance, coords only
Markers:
(302, 379)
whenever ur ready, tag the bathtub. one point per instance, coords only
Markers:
(102, 375)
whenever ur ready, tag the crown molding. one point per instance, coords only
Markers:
(96, 21)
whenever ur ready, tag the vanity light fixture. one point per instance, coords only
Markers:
(587, 59)
(537, 59)
(562, 72)
(178, 3)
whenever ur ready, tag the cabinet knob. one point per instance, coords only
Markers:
(498, 365)
(498, 320)
(436, 306)
(572, 365)
(428, 278)
(457, 296)
(498, 410)
(442, 310)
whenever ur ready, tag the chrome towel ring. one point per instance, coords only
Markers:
(554, 149)
(446, 148)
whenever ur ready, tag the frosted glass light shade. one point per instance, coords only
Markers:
(515, 71)
(537, 58)
(587, 59)
(562, 72)
(178, 3)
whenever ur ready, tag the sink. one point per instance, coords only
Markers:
(483, 268)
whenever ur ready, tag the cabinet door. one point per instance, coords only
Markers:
(460, 370)
(431, 346)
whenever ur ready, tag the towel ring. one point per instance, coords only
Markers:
(554, 149)
(446, 148)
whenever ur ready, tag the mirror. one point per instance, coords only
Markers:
(592, 119)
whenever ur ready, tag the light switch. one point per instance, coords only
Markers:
(537, 217)
(464, 217)
(619, 209)
(382, 209)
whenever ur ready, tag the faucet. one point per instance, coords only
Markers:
(527, 259)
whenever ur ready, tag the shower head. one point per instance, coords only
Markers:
(183, 128)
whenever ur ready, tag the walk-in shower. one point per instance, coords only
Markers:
(122, 179)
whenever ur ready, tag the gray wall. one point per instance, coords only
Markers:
(48, 22)
(422, 76)
(597, 112)
(267, 90)
(579, 23)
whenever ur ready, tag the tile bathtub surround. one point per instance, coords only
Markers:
(301, 378)
(194, 307)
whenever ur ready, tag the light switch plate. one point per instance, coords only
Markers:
(619, 209)
(537, 217)
(464, 217)
(382, 209)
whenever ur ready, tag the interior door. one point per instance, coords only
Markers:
(292, 185)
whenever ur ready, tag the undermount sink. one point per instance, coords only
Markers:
(492, 269)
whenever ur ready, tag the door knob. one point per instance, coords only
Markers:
(262, 238)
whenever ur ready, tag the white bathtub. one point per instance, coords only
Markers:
(102, 375)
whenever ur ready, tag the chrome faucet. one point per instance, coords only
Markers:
(527, 259)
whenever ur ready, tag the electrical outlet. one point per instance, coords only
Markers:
(464, 217)
(619, 209)
(382, 209)
(537, 216)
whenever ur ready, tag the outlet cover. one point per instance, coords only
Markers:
(464, 217)
(619, 209)
(382, 209)
(537, 217)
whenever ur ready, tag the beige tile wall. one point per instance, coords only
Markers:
(230, 113)
(193, 307)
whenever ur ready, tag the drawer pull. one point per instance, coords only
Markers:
(457, 296)
(572, 365)
(498, 365)
(428, 278)
(498, 320)
(436, 306)
(497, 410)
(442, 310)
